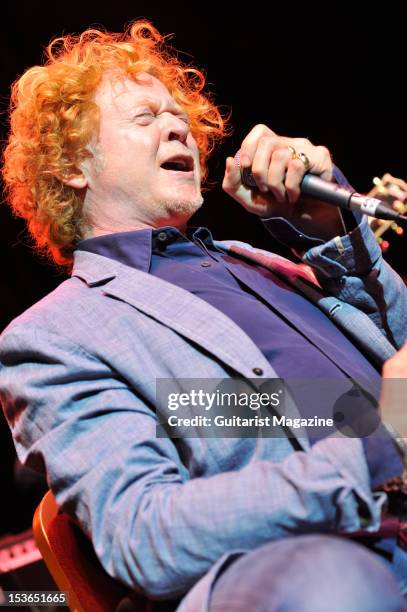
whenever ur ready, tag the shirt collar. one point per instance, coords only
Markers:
(135, 248)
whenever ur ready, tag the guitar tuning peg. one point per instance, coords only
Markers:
(380, 186)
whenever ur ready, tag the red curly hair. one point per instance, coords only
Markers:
(53, 117)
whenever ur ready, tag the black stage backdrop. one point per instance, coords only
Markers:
(333, 72)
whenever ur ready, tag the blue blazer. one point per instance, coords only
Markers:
(78, 387)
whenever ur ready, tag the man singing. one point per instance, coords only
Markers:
(107, 151)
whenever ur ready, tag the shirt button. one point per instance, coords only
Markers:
(162, 236)
(257, 371)
(205, 264)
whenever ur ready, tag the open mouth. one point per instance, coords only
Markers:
(179, 163)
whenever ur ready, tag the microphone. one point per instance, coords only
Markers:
(314, 186)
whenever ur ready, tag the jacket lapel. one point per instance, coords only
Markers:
(353, 321)
(176, 308)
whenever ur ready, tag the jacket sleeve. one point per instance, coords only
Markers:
(154, 527)
(351, 267)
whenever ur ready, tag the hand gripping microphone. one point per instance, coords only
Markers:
(315, 187)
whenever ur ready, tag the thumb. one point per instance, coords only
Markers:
(231, 180)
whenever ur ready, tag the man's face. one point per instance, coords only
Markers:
(145, 166)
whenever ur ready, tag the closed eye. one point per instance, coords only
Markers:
(145, 115)
(184, 118)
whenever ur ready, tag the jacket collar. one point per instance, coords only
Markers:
(173, 306)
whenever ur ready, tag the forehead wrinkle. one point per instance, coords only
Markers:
(118, 90)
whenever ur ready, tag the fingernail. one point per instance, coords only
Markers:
(244, 160)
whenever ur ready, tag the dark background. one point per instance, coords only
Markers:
(333, 72)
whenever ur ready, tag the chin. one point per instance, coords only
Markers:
(182, 208)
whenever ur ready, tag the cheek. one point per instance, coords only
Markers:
(194, 148)
(140, 153)
(147, 140)
(192, 145)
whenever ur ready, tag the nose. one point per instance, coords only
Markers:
(175, 128)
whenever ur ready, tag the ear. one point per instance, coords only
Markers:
(77, 180)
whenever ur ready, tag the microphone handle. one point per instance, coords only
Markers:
(331, 193)
(316, 187)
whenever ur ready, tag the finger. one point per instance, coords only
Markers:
(232, 179)
(295, 173)
(261, 161)
(249, 144)
(318, 156)
(271, 154)
(321, 162)
(233, 186)
(277, 173)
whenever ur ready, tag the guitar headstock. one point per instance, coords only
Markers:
(392, 191)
